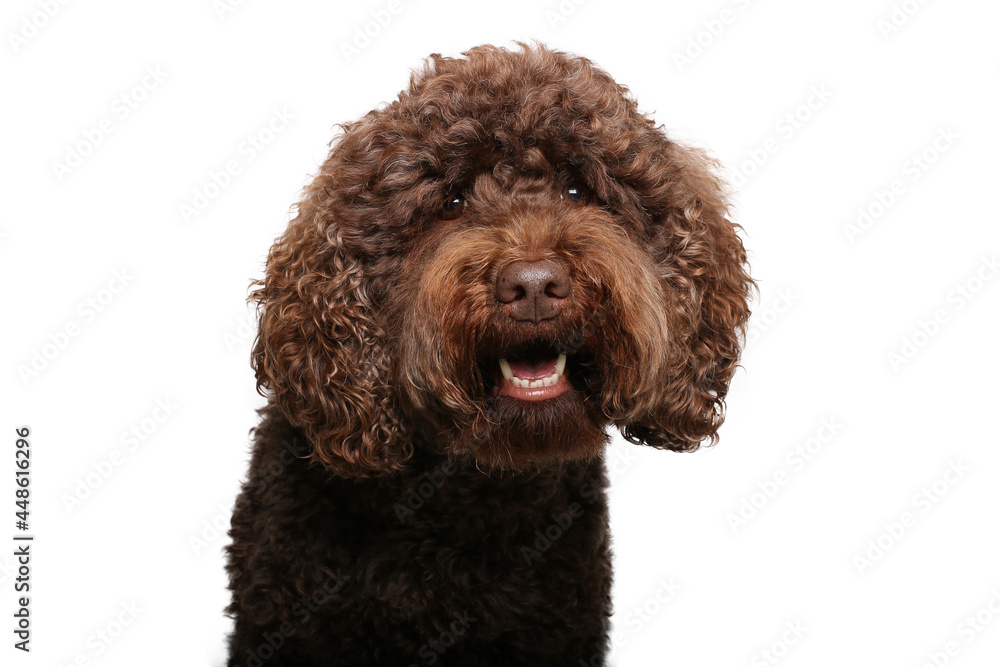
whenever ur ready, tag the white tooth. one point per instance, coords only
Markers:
(534, 384)
(550, 380)
(517, 382)
(560, 365)
(505, 369)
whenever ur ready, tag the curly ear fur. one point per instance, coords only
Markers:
(703, 262)
(320, 351)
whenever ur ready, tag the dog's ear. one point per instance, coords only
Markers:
(320, 351)
(702, 263)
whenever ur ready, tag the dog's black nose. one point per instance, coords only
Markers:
(533, 291)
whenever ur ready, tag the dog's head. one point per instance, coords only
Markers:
(504, 261)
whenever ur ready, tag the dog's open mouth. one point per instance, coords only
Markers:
(534, 376)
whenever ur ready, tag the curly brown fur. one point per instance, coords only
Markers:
(381, 331)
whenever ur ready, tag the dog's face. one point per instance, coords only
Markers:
(503, 262)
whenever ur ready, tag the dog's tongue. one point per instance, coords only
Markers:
(533, 369)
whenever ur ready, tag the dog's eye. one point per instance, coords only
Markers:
(576, 193)
(453, 207)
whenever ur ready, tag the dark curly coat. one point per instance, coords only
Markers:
(485, 275)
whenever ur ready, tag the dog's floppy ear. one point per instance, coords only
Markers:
(320, 351)
(703, 265)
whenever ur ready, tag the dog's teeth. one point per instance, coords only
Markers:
(509, 376)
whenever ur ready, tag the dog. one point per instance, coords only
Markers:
(486, 275)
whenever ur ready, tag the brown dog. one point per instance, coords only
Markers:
(484, 276)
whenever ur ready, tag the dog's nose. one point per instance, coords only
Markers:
(534, 291)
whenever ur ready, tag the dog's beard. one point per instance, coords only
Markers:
(511, 433)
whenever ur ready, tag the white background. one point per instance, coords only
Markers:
(818, 110)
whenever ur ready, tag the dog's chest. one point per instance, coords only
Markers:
(454, 549)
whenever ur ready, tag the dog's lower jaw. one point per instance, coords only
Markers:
(446, 563)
